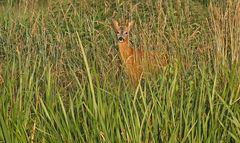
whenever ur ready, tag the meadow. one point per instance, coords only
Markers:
(62, 80)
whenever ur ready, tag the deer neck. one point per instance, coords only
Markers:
(125, 50)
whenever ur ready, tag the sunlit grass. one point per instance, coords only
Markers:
(61, 79)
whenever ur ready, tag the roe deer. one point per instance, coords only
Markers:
(136, 61)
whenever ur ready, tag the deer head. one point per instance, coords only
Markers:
(122, 30)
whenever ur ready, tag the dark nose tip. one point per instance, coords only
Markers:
(120, 39)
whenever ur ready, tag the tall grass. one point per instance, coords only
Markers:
(61, 79)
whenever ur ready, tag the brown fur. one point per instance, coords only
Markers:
(137, 61)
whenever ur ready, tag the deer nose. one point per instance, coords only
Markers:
(120, 39)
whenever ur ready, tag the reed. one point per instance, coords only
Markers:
(62, 79)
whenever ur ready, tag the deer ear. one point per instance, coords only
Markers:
(130, 25)
(115, 24)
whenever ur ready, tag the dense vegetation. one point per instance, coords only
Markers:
(61, 78)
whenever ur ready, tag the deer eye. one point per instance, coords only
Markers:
(126, 32)
(118, 32)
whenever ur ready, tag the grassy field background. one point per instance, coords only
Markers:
(61, 78)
